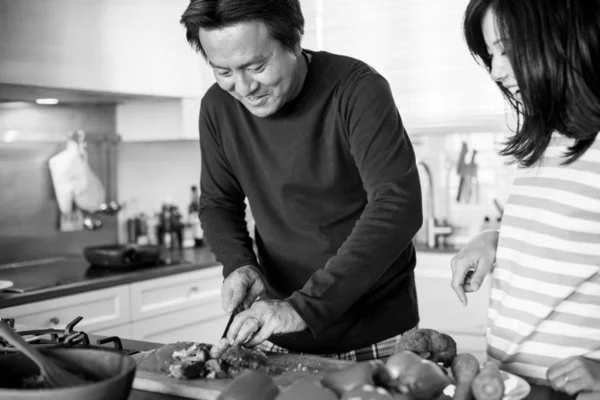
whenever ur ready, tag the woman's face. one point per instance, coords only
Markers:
(502, 71)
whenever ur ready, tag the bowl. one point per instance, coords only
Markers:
(111, 375)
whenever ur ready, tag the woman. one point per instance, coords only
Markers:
(544, 316)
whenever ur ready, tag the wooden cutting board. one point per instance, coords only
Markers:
(296, 367)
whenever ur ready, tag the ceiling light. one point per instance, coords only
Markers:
(46, 101)
(10, 136)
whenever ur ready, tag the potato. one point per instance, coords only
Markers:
(465, 368)
(488, 384)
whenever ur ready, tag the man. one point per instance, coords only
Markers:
(316, 144)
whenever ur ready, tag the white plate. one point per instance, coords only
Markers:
(5, 285)
(515, 387)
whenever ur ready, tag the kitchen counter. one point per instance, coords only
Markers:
(443, 249)
(63, 276)
(537, 392)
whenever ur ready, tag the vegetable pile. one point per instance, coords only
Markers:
(423, 367)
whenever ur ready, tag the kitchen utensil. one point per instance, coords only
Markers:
(499, 207)
(53, 375)
(110, 208)
(91, 224)
(231, 317)
(122, 256)
(114, 373)
(71, 221)
(468, 189)
(460, 171)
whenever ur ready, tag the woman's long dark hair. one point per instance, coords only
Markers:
(554, 49)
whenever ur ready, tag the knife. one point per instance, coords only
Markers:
(236, 311)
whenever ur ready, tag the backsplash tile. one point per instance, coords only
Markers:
(29, 135)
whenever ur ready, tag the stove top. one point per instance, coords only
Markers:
(50, 273)
(65, 338)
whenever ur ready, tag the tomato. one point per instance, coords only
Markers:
(367, 392)
(362, 373)
(304, 390)
(250, 386)
(401, 362)
(423, 381)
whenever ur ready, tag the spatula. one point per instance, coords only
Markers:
(53, 375)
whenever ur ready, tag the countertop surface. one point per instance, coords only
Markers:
(443, 249)
(537, 392)
(61, 276)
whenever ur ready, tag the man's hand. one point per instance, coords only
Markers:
(575, 374)
(242, 287)
(264, 319)
(471, 265)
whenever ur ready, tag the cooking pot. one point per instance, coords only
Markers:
(110, 373)
(122, 256)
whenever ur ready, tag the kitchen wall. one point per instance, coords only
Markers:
(29, 136)
(151, 173)
(418, 46)
(443, 96)
(493, 176)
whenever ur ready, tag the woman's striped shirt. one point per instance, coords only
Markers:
(545, 297)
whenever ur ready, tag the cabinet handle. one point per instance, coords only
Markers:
(54, 321)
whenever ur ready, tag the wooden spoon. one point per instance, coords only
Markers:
(53, 375)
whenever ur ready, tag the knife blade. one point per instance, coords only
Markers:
(236, 311)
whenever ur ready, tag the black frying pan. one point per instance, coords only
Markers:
(111, 375)
(122, 256)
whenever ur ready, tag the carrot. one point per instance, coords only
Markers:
(465, 368)
(488, 384)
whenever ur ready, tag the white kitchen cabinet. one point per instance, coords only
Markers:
(111, 46)
(204, 322)
(441, 310)
(165, 295)
(101, 310)
(158, 119)
(179, 307)
(184, 306)
(122, 331)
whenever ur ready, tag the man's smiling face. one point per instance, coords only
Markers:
(252, 66)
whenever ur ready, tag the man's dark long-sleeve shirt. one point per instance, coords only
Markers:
(333, 186)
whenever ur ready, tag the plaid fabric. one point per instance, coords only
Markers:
(377, 351)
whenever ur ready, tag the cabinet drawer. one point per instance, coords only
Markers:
(178, 292)
(205, 322)
(99, 308)
(122, 331)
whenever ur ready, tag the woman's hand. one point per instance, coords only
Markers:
(575, 374)
(471, 265)
(263, 319)
(241, 288)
